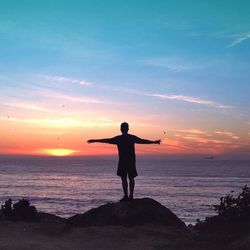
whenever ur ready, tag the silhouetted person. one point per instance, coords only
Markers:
(126, 148)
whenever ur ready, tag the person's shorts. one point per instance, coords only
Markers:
(124, 171)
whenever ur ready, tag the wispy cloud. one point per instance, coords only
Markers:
(227, 134)
(171, 64)
(218, 139)
(189, 99)
(240, 38)
(67, 123)
(77, 99)
(29, 106)
(182, 98)
(190, 131)
(66, 79)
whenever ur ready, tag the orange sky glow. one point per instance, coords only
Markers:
(68, 136)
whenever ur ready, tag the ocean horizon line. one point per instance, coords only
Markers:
(139, 156)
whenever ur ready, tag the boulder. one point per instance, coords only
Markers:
(129, 213)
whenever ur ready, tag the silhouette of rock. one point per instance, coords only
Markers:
(130, 213)
(138, 224)
(20, 211)
(7, 208)
(47, 217)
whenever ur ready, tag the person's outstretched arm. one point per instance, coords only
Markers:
(144, 141)
(107, 140)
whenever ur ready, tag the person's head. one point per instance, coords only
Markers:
(124, 128)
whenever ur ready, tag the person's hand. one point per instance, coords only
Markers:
(158, 142)
(90, 141)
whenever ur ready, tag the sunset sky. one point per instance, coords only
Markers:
(174, 70)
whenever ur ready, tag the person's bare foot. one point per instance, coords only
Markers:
(131, 197)
(125, 198)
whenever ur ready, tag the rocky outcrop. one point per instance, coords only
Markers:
(21, 210)
(47, 217)
(128, 213)
(138, 224)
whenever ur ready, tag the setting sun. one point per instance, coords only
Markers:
(59, 151)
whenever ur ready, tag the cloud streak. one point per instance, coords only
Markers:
(66, 80)
(171, 64)
(190, 131)
(29, 106)
(77, 99)
(227, 134)
(189, 99)
(181, 98)
(241, 38)
(65, 123)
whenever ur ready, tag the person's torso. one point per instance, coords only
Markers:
(126, 147)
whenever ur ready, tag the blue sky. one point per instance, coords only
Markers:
(182, 65)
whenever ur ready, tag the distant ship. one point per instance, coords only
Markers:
(209, 158)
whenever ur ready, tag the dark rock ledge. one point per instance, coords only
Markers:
(130, 213)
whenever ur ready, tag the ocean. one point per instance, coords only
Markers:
(68, 185)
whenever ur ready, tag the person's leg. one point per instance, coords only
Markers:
(131, 187)
(125, 185)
